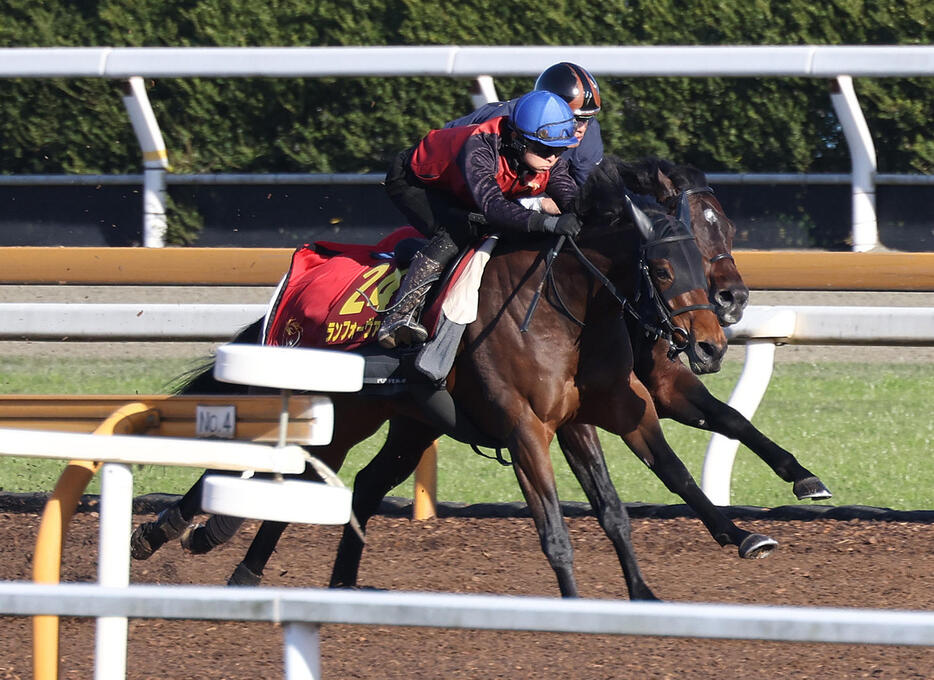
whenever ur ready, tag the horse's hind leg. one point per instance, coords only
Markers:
(396, 460)
(250, 571)
(148, 537)
(584, 454)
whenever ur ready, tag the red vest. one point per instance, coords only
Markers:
(434, 163)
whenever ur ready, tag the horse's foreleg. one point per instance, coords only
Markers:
(647, 441)
(584, 454)
(394, 462)
(692, 404)
(532, 465)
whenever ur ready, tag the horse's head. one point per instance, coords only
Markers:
(674, 268)
(714, 232)
(670, 184)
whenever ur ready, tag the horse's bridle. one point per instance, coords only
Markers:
(665, 327)
(707, 190)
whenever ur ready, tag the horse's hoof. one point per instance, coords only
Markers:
(242, 576)
(644, 594)
(354, 586)
(757, 546)
(811, 488)
(149, 537)
(140, 547)
(192, 540)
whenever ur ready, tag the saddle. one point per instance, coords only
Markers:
(333, 296)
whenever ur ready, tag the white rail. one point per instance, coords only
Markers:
(761, 330)
(487, 612)
(813, 61)
(813, 325)
(319, 369)
(839, 64)
(125, 321)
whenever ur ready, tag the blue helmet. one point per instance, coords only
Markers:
(544, 117)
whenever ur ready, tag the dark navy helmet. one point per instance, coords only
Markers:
(575, 85)
(545, 118)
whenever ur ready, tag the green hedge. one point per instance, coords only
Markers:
(356, 124)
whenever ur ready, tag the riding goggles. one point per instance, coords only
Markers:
(558, 131)
(543, 150)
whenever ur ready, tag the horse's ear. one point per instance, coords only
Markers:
(641, 220)
(684, 211)
(666, 187)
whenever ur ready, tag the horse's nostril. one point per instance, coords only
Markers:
(708, 350)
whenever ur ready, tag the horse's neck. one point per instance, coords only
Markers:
(514, 277)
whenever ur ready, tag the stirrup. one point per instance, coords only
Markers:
(405, 331)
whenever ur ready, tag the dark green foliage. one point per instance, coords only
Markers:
(357, 124)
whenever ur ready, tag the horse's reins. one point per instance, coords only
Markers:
(666, 327)
(549, 261)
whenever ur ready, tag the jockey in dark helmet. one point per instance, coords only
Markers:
(481, 168)
(579, 89)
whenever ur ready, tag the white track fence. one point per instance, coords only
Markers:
(762, 330)
(488, 612)
(297, 500)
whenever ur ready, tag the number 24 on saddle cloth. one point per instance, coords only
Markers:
(332, 294)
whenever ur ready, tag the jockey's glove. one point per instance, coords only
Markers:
(566, 224)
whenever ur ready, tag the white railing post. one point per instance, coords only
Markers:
(113, 569)
(155, 161)
(746, 396)
(483, 91)
(302, 651)
(865, 230)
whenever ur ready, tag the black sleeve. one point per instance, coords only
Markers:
(478, 160)
(561, 187)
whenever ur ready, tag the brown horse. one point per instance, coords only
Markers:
(519, 388)
(674, 388)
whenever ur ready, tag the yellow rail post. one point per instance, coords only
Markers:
(56, 515)
(426, 485)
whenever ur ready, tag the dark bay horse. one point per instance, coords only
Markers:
(676, 392)
(575, 362)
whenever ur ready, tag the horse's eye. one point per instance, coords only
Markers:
(662, 274)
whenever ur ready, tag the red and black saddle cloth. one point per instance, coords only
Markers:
(333, 293)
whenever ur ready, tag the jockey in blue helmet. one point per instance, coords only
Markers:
(482, 169)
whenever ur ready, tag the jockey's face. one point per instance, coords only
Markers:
(580, 126)
(541, 157)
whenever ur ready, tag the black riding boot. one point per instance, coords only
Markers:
(401, 326)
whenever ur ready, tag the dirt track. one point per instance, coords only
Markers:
(832, 563)
(873, 564)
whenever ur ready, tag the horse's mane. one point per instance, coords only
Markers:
(641, 176)
(602, 198)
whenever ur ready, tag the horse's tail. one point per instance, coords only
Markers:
(200, 379)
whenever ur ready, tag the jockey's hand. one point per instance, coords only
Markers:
(566, 224)
(549, 206)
